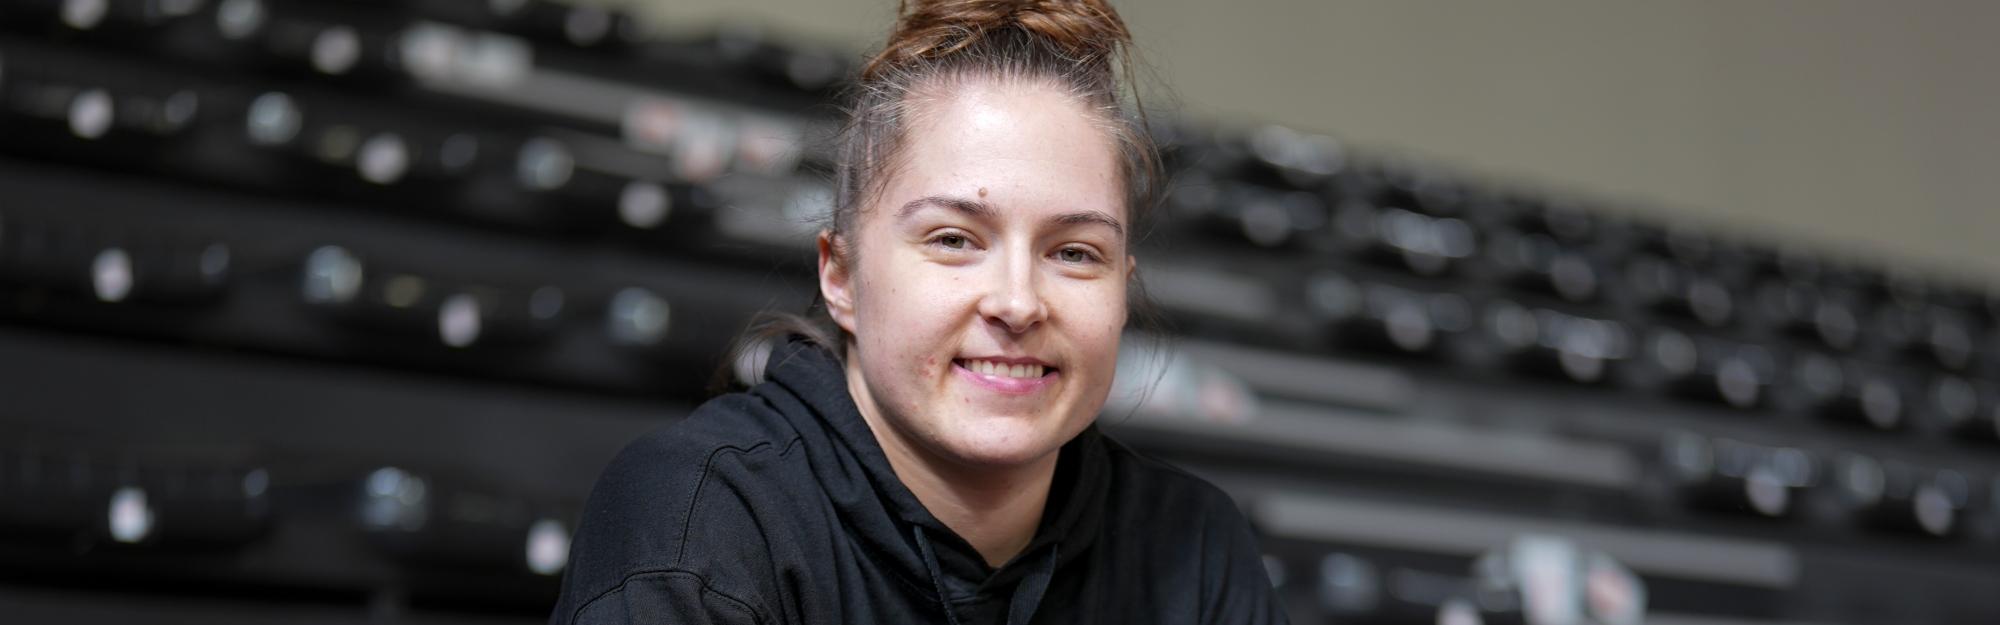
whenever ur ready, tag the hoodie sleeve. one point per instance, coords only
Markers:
(1240, 592)
(662, 597)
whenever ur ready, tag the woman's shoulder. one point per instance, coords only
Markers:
(659, 477)
(659, 505)
(1144, 487)
(678, 456)
(1191, 535)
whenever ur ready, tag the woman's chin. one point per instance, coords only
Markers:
(1000, 442)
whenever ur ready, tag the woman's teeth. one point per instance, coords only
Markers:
(1002, 369)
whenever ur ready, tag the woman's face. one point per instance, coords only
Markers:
(987, 291)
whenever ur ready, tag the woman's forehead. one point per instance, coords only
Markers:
(1013, 146)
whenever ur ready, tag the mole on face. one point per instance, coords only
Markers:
(982, 192)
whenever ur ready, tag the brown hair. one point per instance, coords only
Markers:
(1076, 45)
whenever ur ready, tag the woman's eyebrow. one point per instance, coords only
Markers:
(981, 210)
(1090, 217)
(970, 207)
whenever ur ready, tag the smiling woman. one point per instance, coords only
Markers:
(928, 454)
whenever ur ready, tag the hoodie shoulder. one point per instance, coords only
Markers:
(662, 495)
(1163, 509)
(1159, 486)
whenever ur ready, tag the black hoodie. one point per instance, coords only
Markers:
(777, 505)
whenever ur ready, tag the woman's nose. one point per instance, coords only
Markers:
(1014, 297)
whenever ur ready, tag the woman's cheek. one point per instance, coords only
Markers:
(1108, 329)
(1098, 306)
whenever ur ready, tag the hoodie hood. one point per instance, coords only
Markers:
(854, 472)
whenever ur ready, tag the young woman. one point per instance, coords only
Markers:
(930, 458)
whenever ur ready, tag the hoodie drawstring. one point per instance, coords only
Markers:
(937, 574)
(1027, 593)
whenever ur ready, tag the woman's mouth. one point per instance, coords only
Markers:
(1002, 369)
(1005, 377)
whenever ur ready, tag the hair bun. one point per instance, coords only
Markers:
(1088, 31)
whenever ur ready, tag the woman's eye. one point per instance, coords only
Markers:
(952, 241)
(1074, 255)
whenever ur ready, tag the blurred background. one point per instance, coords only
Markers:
(330, 311)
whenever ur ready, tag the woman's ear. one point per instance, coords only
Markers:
(835, 281)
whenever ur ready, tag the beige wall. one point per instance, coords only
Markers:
(1868, 127)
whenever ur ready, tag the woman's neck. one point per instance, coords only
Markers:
(996, 509)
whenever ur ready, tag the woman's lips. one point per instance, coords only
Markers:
(1003, 384)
